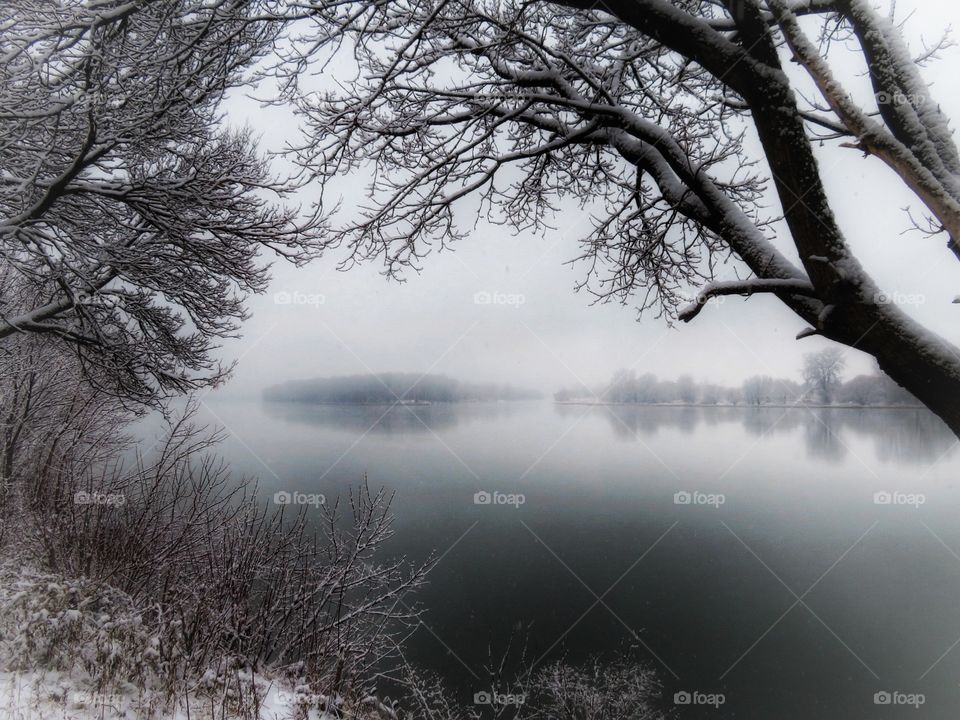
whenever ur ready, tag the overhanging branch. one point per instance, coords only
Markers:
(745, 288)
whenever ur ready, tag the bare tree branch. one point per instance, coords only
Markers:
(133, 219)
(745, 288)
(636, 112)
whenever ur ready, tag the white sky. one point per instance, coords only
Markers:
(555, 338)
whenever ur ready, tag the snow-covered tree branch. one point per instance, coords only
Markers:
(744, 287)
(641, 113)
(131, 217)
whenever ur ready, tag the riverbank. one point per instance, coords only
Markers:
(72, 648)
(172, 594)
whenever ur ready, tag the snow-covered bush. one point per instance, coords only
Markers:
(595, 691)
(77, 626)
(228, 587)
(622, 689)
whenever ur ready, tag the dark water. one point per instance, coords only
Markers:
(798, 597)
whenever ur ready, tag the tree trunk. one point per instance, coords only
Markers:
(925, 364)
(931, 383)
(918, 360)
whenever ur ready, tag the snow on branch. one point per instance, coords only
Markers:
(798, 7)
(133, 220)
(912, 139)
(516, 114)
(746, 288)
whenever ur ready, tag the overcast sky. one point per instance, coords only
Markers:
(356, 321)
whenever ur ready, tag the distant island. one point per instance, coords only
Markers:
(388, 388)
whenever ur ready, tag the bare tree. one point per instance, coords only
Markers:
(622, 388)
(131, 218)
(862, 390)
(687, 390)
(786, 392)
(758, 389)
(642, 112)
(821, 372)
(711, 394)
(53, 420)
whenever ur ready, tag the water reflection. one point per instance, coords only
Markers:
(898, 435)
(389, 419)
(905, 435)
(600, 483)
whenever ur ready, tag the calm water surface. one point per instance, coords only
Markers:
(798, 597)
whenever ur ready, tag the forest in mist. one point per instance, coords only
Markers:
(392, 388)
(822, 383)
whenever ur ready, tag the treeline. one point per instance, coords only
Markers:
(628, 387)
(390, 388)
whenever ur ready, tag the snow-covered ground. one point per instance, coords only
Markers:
(74, 650)
(58, 696)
